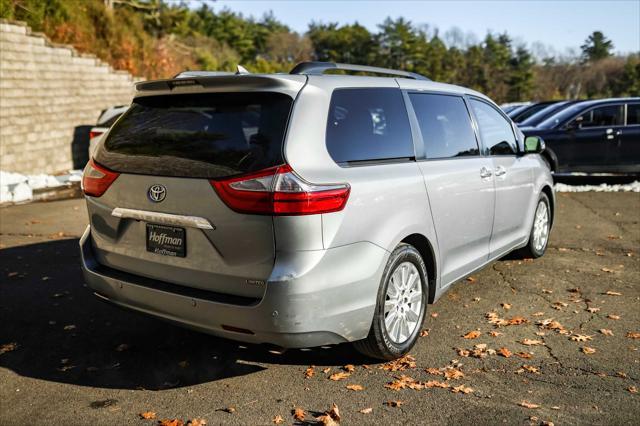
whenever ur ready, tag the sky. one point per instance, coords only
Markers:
(557, 25)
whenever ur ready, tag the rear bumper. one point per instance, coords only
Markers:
(312, 298)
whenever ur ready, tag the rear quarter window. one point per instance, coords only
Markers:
(204, 135)
(445, 125)
(368, 125)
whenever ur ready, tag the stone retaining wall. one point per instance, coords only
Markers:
(50, 96)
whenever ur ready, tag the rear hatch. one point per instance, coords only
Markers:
(161, 217)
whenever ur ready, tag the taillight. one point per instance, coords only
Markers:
(94, 133)
(96, 179)
(279, 191)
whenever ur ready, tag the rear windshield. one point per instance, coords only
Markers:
(205, 135)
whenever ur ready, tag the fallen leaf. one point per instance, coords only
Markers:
(122, 347)
(309, 372)
(504, 352)
(148, 415)
(355, 387)
(229, 410)
(8, 347)
(436, 384)
(434, 315)
(606, 332)
(633, 335)
(197, 422)
(593, 310)
(538, 314)
(326, 370)
(524, 355)
(587, 350)
(299, 414)
(463, 352)
(530, 342)
(632, 389)
(278, 419)
(472, 335)
(366, 410)
(517, 321)
(506, 306)
(341, 375)
(350, 368)
(531, 369)
(334, 412)
(453, 374)
(526, 404)
(434, 371)
(609, 271)
(326, 420)
(471, 279)
(613, 317)
(613, 293)
(544, 290)
(461, 389)
(494, 333)
(424, 333)
(580, 338)
(69, 327)
(394, 403)
(170, 422)
(400, 364)
(183, 364)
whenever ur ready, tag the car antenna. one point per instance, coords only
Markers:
(242, 70)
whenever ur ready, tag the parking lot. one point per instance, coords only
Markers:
(561, 344)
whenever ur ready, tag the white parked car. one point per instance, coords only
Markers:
(105, 121)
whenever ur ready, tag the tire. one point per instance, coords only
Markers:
(385, 344)
(536, 248)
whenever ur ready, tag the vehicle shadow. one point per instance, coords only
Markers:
(65, 334)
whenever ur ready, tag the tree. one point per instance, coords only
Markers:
(521, 79)
(596, 47)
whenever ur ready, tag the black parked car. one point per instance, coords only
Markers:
(599, 136)
(520, 114)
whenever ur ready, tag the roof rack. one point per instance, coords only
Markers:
(318, 68)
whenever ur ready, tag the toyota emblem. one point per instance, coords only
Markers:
(157, 193)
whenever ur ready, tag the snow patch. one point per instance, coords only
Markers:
(603, 187)
(16, 188)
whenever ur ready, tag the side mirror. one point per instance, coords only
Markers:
(533, 145)
(576, 123)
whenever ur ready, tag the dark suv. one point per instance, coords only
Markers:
(599, 136)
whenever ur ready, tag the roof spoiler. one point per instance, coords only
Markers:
(319, 68)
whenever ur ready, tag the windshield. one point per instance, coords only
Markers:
(208, 135)
(561, 116)
(544, 113)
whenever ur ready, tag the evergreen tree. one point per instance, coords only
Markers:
(596, 47)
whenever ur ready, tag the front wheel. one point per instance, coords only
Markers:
(400, 308)
(539, 236)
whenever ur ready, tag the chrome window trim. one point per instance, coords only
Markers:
(163, 218)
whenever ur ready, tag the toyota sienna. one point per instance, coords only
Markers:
(309, 208)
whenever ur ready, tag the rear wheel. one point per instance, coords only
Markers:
(539, 236)
(401, 306)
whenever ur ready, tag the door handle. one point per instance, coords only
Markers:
(501, 171)
(611, 134)
(485, 172)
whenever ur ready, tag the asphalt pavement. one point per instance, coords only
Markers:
(557, 341)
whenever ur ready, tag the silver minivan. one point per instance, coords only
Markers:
(309, 208)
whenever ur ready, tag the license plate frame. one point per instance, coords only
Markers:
(166, 240)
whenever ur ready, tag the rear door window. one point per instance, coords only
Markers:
(445, 125)
(633, 114)
(205, 135)
(496, 132)
(368, 125)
